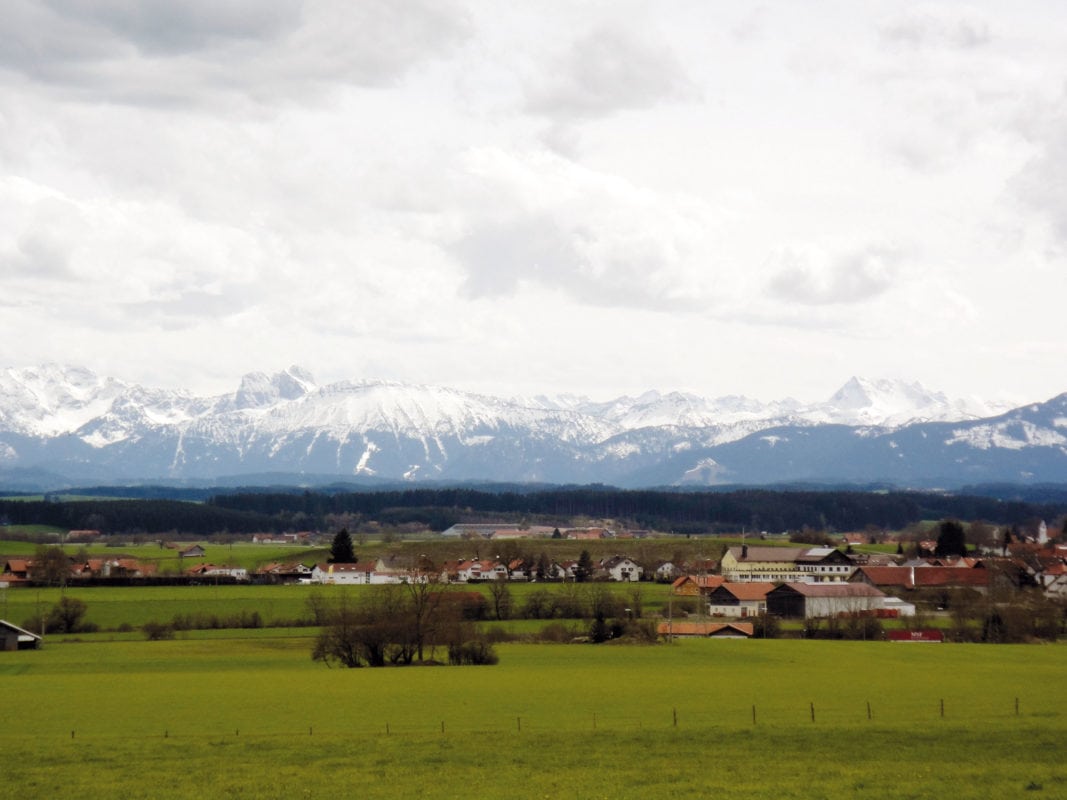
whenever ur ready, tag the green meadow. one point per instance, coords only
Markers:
(112, 607)
(252, 716)
(242, 554)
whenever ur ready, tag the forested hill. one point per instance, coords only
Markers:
(688, 512)
(437, 509)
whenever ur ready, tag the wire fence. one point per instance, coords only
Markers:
(810, 715)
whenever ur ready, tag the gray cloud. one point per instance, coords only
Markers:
(498, 257)
(1042, 183)
(813, 279)
(607, 71)
(188, 26)
(192, 306)
(918, 30)
(139, 53)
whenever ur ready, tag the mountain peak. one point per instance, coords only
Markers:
(258, 389)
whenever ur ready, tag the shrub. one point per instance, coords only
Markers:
(155, 631)
(473, 653)
(557, 633)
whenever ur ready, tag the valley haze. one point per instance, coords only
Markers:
(66, 425)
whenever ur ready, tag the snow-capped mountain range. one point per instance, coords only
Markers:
(73, 425)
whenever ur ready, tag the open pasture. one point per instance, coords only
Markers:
(240, 554)
(110, 607)
(255, 717)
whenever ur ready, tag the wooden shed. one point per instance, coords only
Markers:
(12, 637)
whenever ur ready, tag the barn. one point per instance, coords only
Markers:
(12, 637)
(807, 600)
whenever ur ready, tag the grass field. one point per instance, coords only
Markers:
(112, 607)
(254, 717)
(249, 556)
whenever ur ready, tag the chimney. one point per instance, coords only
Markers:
(744, 551)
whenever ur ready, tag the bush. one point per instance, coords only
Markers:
(473, 653)
(766, 626)
(155, 631)
(557, 632)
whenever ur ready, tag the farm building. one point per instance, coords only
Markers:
(12, 637)
(706, 630)
(808, 600)
(794, 564)
(908, 578)
(748, 599)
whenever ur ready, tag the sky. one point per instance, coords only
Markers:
(521, 198)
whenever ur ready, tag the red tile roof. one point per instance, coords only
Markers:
(703, 628)
(918, 577)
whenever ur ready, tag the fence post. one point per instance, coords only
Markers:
(942, 707)
(868, 709)
(813, 712)
(675, 711)
(518, 723)
(753, 714)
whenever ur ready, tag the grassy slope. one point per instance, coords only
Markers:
(256, 718)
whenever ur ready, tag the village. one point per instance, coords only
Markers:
(729, 596)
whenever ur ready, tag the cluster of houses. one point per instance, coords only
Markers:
(821, 582)
(119, 567)
(476, 570)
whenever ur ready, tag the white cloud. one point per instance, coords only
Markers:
(543, 219)
(605, 71)
(482, 193)
(936, 26)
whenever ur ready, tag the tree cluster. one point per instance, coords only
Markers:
(396, 625)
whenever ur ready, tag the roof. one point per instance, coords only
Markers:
(917, 577)
(762, 553)
(615, 561)
(831, 589)
(22, 632)
(341, 567)
(753, 590)
(704, 628)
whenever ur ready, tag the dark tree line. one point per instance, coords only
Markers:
(682, 512)
(438, 509)
(137, 516)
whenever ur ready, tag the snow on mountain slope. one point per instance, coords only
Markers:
(1037, 425)
(399, 408)
(52, 399)
(286, 422)
(893, 403)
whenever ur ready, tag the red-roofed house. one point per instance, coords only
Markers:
(748, 599)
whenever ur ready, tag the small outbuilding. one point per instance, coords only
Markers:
(12, 637)
(705, 630)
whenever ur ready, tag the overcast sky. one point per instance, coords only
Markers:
(542, 197)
